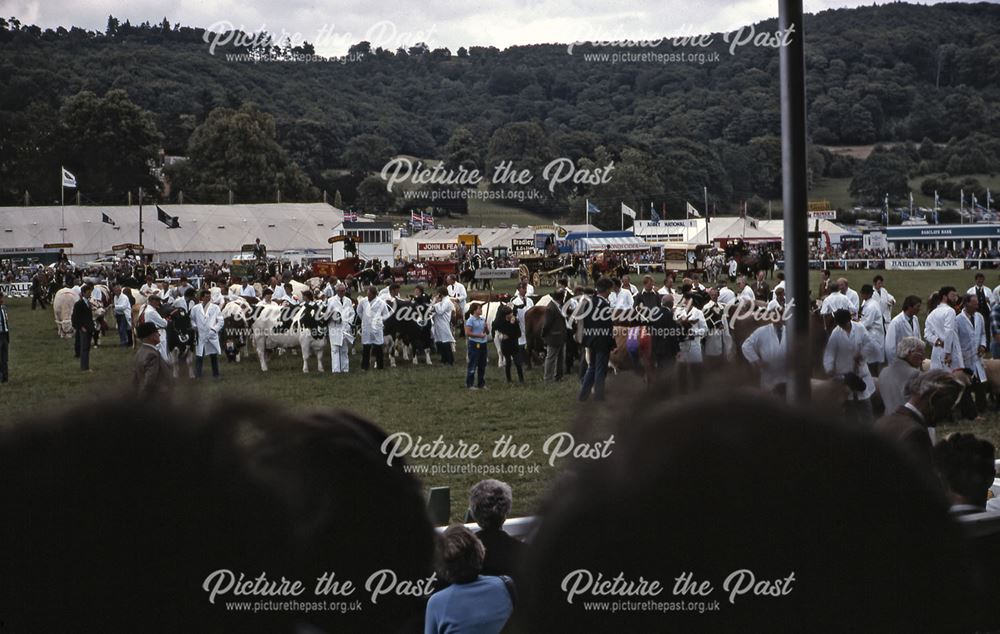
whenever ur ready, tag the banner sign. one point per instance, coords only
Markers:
(495, 274)
(826, 214)
(16, 289)
(520, 245)
(436, 246)
(924, 265)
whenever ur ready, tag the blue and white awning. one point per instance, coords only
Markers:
(584, 245)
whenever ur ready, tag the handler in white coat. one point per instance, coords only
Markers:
(340, 310)
(905, 324)
(941, 332)
(765, 349)
(456, 291)
(522, 303)
(207, 320)
(152, 315)
(873, 320)
(441, 317)
(373, 312)
(972, 336)
(846, 350)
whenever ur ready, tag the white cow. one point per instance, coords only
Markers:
(307, 331)
(62, 307)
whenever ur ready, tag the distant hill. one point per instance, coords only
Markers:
(889, 73)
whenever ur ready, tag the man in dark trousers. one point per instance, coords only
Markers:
(554, 335)
(4, 340)
(599, 341)
(83, 322)
(152, 375)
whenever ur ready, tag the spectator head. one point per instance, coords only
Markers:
(667, 301)
(441, 292)
(966, 465)
(877, 281)
(462, 555)
(911, 350)
(490, 502)
(205, 295)
(842, 284)
(340, 288)
(371, 293)
(826, 274)
(562, 282)
(980, 278)
(451, 279)
(189, 293)
(911, 305)
(647, 282)
(603, 286)
(636, 512)
(934, 393)
(842, 317)
(970, 301)
(867, 291)
(948, 294)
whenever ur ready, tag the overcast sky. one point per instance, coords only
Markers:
(450, 23)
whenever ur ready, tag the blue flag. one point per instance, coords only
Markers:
(592, 208)
(652, 214)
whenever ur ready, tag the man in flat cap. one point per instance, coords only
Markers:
(152, 375)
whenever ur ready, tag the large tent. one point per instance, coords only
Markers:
(206, 231)
(722, 228)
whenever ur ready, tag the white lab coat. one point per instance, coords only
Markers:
(457, 291)
(836, 301)
(123, 309)
(441, 321)
(152, 316)
(972, 335)
(871, 319)
(747, 294)
(941, 332)
(885, 301)
(900, 328)
(278, 294)
(717, 340)
(341, 313)
(842, 348)
(762, 347)
(521, 305)
(373, 315)
(248, 291)
(852, 296)
(726, 296)
(691, 348)
(624, 300)
(207, 323)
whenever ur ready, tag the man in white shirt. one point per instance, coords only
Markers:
(443, 310)
(207, 321)
(248, 291)
(340, 311)
(844, 359)
(733, 266)
(986, 299)
(884, 298)
(745, 290)
(941, 332)
(726, 296)
(690, 358)
(123, 316)
(522, 303)
(627, 284)
(907, 360)
(151, 315)
(765, 349)
(851, 294)
(456, 291)
(777, 303)
(972, 338)
(530, 289)
(624, 300)
(278, 293)
(149, 287)
(872, 320)
(373, 312)
(905, 324)
(668, 286)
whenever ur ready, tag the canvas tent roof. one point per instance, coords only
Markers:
(732, 227)
(206, 231)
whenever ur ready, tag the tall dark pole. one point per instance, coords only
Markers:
(140, 218)
(793, 171)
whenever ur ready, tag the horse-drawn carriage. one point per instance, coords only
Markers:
(686, 258)
(541, 269)
(431, 272)
(355, 269)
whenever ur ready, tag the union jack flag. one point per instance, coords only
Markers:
(350, 216)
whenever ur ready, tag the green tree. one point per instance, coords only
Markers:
(373, 196)
(110, 142)
(237, 150)
(880, 174)
(367, 152)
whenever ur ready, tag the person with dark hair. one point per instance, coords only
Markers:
(905, 324)
(825, 284)
(490, 502)
(941, 331)
(665, 334)
(971, 328)
(477, 333)
(153, 506)
(554, 336)
(206, 318)
(885, 301)
(772, 554)
(871, 318)
(472, 603)
(4, 340)
(507, 326)
(987, 299)
(966, 465)
(844, 360)
(598, 339)
(906, 364)
(83, 323)
(442, 310)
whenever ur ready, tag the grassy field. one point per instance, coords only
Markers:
(421, 401)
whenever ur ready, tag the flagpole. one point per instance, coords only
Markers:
(62, 203)
(140, 220)
(587, 220)
(622, 211)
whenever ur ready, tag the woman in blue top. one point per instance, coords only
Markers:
(477, 333)
(473, 604)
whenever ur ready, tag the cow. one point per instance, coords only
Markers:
(407, 330)
(62, 307)
(99, 308)
(236, 315)
(303, 327)
(180, 340)
(534, 345)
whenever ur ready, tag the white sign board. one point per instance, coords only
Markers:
(17, 289)
(829, 214)
(495, 274)
(924, 265)
(875, 241)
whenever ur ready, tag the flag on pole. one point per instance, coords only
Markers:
(68, 180)
(655, 217)
(428, 219)
(592, 208)
(628, 211)
(416, 218)
(350, 216)
(172, 222)
(937, 201)
(887, 209)
(106, 219)
(692, 211)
